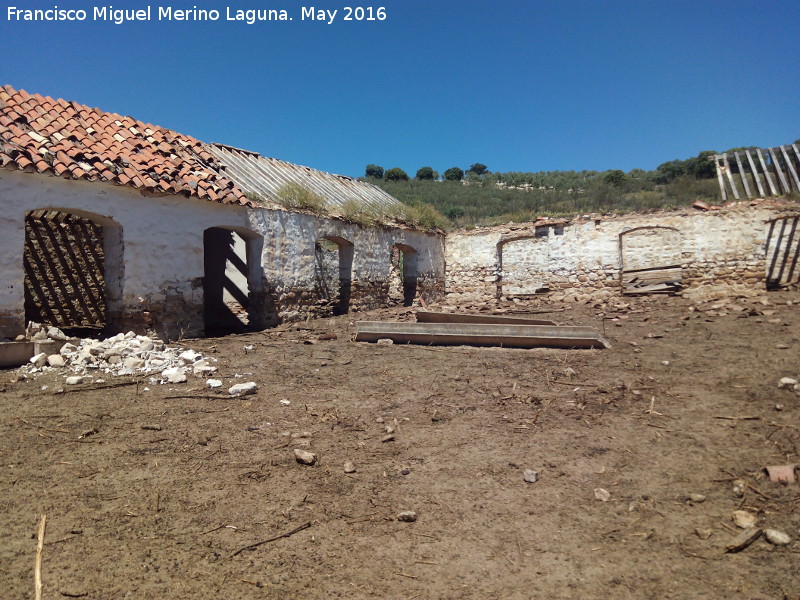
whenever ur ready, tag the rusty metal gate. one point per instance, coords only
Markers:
(783, 252)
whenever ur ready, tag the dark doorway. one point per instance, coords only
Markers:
(403, 270)
(229, 282)
(334, 272)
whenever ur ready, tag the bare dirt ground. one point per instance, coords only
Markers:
(175, 481)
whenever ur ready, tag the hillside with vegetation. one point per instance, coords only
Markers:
(477, 196)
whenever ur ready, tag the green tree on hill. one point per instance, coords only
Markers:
(396, 174)
(375, 171)
(479, 169)
(615, 177)
(426, 173)
(454, 174)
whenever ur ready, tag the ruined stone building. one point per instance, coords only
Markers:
(110, 223)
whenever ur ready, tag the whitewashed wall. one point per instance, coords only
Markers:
(162, 253)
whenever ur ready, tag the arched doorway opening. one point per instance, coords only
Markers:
(403, 274)
(333, 260)
(73, 267)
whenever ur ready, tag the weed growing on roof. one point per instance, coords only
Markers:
(294, 195)
(425, 216)
(255, 198)
(355, 212)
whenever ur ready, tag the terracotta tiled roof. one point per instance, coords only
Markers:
(73, 141)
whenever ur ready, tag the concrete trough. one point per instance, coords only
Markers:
(470, 334)
(15, 354)
(440, 317)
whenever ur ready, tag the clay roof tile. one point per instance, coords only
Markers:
(80, 139)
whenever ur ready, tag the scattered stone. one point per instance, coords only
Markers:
(777, 538)
(407, 516)
(133, 362)
(780, 347)
(68, 349)
(530, 476)
(151, 427)
(189, 356)
(74, 380)
(385, 342)
(243, 389)
(201, 368)
(743, 519)
(739, 486)
(349, 467)
(602, 494)
(213, 383)
(697, 498)
(55, 360)
(54, 333)
(39, 360)
(175, 375)
(787, 383)
(380, 420)
(305, 457)
(285, 402)
(665, 363)
(703, 534)
(387, 438)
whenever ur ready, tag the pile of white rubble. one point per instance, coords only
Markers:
(122, 354)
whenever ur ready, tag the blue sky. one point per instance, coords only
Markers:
(519, 85)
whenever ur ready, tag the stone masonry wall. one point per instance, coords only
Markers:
(582, 260)
(291, 269)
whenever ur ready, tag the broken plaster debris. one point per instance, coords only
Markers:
(122, 354)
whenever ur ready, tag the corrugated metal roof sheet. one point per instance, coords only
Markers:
(262, 176)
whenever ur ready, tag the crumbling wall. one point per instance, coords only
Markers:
(291, 272)
(582, 260)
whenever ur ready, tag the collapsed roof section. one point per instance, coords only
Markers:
(70, 140)
(264, 177)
